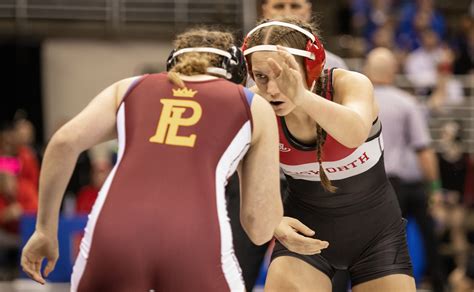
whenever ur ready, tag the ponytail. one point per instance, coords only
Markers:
(174, 77)
(189, 64)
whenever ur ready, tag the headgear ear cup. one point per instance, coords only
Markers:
(171, 61)
(247, 61)
(314, 67)
(232, 67)
(236, 65)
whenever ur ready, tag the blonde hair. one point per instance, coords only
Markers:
(197, 63)
(288, 37)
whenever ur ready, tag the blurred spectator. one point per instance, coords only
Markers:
(7, 139)
(453, 161)
(379, 14)
(274, 8)
(359, 16)
(9, 145)
(29, 164)
(88, 194)
(81, 174)
(345, 12)
(301, 9)
(18, 196)
(9, 240)
(415, 17)
(410, 162)
(422, 64)
(462, 278)
(429, 69)
(26, 133)
(469, 190)
(463, 44)
(384, 37)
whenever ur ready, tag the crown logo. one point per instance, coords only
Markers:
(184, 92)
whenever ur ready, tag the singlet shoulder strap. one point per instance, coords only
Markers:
(248, 95)
(324, 85)
(376, 130)
(329, 84)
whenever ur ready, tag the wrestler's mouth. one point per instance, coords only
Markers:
(276, 103)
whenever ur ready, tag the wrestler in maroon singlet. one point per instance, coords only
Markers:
(164, 197)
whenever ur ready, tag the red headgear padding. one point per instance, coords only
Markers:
(313, 67)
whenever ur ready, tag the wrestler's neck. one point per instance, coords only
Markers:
(299, 117)
(199, 77)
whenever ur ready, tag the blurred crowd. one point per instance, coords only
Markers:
(19, 174)
(20, 160)
(429, 47)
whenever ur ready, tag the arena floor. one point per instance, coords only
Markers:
(24, 285)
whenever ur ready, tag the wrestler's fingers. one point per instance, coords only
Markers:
(289, 58)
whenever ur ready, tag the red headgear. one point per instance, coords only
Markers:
(314, 54)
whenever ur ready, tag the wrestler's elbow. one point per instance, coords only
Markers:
(358, 136)
(260, 227)
(354, 141)
(259, 236)
(63, 141)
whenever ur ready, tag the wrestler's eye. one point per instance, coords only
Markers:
(261, 78)
(279, 6)
(296, 6)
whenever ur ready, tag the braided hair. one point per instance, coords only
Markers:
(321, 135)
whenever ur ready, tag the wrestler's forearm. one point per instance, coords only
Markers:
(58, 165)
(341, 122)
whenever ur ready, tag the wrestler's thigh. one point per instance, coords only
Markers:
(287, 273)
(390, 283)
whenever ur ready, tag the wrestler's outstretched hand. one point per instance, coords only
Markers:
(287, 76)
(39, 246)
(297, 237)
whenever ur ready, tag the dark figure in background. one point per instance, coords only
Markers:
(88, 193)
(18, 196)
(453, 164)
(463, 45)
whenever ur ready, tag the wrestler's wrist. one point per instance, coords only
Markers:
(278, 233)
(304, 98)
(46, 226)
